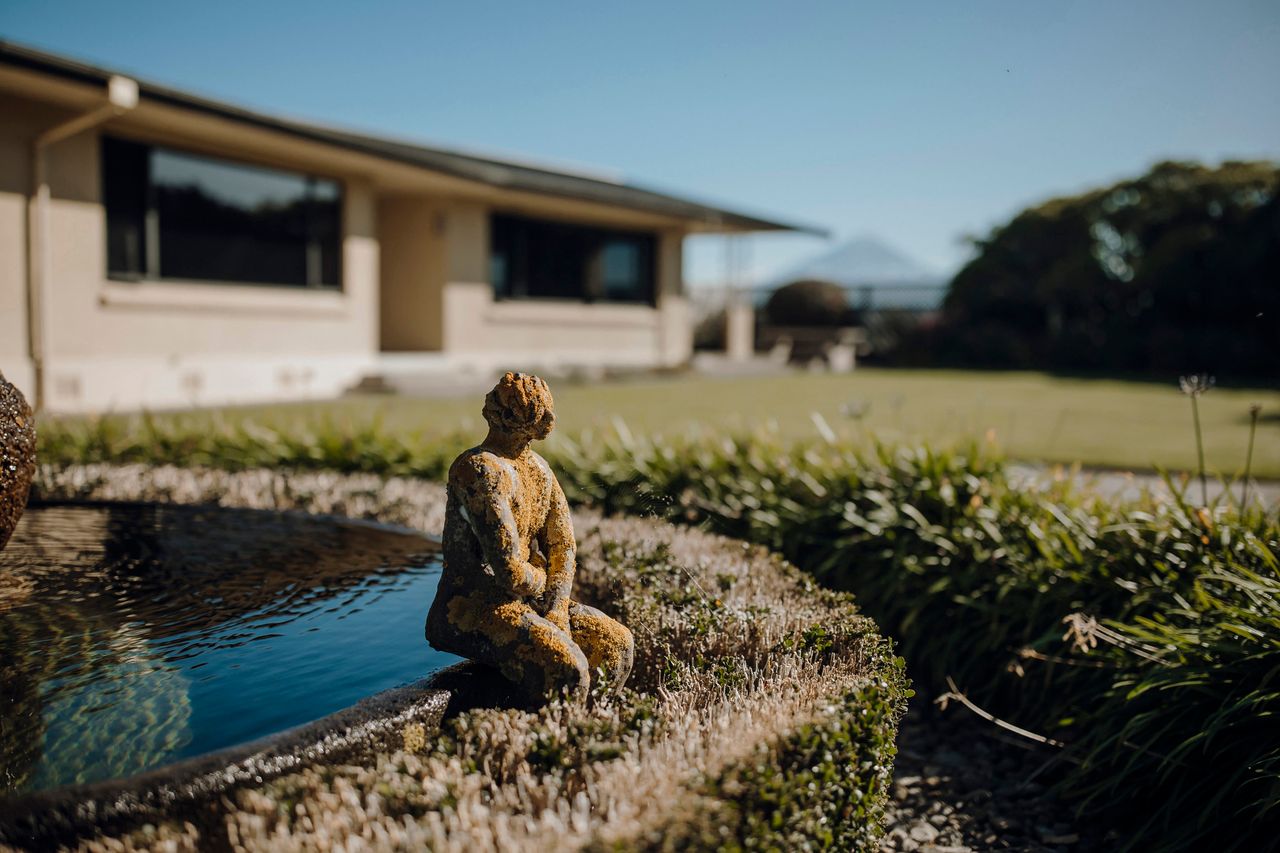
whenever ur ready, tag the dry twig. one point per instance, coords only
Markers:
(991, 718)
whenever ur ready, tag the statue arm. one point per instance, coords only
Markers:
(561, 549)
(557, 544)
(486, 495)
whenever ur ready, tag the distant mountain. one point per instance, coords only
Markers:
(873, 272)
(864, 260)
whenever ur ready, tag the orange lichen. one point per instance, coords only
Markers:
(509, 559)
(474, 613)
(607, 643)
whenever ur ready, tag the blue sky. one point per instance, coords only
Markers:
(917, 122)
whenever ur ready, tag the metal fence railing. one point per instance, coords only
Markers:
(902, 298)
(882, 314)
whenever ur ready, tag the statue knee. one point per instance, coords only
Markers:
(607, 643)
(627, 654)
(567, 677)
(561, 663)
(621, 657)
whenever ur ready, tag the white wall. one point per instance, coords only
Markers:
(486, 333)
(123, 345)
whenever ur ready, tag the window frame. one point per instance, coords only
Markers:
(151, 227)
(591, 289)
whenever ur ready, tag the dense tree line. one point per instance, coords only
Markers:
(1176, 270)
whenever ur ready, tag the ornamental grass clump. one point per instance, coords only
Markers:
(1192, 706)
(974, 577)
(239, 445)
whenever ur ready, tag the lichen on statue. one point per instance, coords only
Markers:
(17, 457)
(504, 597)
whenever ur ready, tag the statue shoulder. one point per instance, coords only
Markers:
(479, 467)
(545, 466)
(550, 482)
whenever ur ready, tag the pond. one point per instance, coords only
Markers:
(134, 635)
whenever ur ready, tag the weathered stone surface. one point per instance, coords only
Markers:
(509, 559)
(17, 456)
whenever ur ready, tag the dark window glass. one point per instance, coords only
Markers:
(195, 217)
(622, 273)
(533, 258)
(124, 191)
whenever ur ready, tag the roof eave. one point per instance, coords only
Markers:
(488, 171)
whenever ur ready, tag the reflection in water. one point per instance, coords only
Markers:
(131, 636)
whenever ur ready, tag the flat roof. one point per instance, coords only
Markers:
(482, 169)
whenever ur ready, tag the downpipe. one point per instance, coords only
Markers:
(122, 96)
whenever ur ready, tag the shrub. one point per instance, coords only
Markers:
(807, 303)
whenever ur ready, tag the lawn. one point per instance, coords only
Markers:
(1031, 416)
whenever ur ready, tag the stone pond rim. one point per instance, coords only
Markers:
(17, 456)
(69, 815)
(183, 789)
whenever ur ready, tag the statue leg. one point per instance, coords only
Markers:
(607, 643)
(525, 647)
(546, 660)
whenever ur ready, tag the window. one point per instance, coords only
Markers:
(176, 215)
(533, 258)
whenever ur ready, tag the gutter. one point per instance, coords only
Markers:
(122, 96)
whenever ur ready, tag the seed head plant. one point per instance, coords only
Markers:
(1195, 386)
(1254, 411)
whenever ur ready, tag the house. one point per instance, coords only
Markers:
(159, 249)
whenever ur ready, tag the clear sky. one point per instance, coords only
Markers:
(918, 122)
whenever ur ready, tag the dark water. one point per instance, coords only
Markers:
(132, 636)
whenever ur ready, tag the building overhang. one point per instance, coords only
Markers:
(393, 166)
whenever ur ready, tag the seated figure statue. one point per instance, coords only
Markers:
(504, 596)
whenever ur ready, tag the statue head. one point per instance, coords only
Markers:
(520, 405)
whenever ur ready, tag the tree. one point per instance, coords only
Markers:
(1177, 270)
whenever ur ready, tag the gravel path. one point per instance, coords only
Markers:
(959, 786)
(1128, 486)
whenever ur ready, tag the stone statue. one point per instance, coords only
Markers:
(504, 595)
(17, 457)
